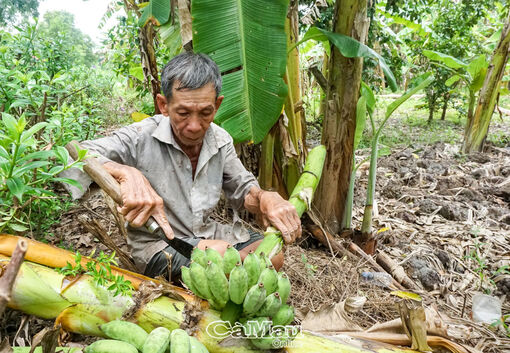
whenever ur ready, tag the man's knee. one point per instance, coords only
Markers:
(218, 245)
(277, 261)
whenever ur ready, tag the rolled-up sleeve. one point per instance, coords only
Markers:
(237, 181)
(120, 147)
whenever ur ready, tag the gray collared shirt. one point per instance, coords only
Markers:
(150, 147)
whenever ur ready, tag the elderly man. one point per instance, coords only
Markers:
(173, 167)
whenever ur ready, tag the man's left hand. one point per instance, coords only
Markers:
(281, 214)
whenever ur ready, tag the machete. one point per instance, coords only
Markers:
(108, 183)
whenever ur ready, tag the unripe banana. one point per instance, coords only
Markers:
(254, 299)
(263, 264)
(179, 341)
(283, 286)
(270, 279)
(215, 304)
(218, 283)
(256, 327)
(113, 346)
(214, 256)
(199, 280)
(196, 346)
(252, 266)
(284, 316)
(230, 259)
(231, 312)
(198, 255)
(186, 279)
(271, 305)
(238, 284)
(157, 341)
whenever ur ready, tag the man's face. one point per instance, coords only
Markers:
(191, 112)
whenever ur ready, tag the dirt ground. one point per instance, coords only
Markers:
(443, 216)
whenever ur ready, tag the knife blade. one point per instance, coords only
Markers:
(181, 246)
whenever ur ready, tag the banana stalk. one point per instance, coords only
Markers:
(300, 198)
(80, 306)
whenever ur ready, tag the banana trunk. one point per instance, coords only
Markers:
(300, 198)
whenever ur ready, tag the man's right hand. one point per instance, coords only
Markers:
(139, 200)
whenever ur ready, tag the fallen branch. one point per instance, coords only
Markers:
(396, 271)
(7, 279)
(358, 251)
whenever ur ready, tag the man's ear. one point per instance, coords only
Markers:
(218, 101)
(162, 104)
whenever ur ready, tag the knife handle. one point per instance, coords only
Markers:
(105, 180)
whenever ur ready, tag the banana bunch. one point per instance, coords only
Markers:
(246, 292)
(128, 337)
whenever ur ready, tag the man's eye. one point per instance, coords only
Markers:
(183, 113)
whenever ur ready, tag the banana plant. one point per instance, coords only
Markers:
(366, 226)
(366, 104)
(472, 74)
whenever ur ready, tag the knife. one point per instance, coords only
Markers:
(108, 183)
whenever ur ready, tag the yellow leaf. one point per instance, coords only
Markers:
(406, 295)
(137, 116)
(385, 229)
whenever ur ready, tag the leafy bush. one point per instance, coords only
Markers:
(27, 170)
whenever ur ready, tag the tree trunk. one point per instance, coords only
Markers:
(446, 99)
(340, 116)
(149, 63)
(478, 125)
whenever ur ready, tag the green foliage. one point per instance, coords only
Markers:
(26, 171)
(156, 10)
(235, 35)
(9, 9)
(101, 272)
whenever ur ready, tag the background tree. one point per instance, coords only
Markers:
(9, 9)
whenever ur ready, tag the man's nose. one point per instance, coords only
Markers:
(194, 125)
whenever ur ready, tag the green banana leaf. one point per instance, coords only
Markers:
(350, 48)
(247, 40)
(361, 118)
(425, 80)
(158, 10)
(447, 60)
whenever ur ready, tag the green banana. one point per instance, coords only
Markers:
(238, 284)
(179, 341)
(110, 346)
(254, 299)
(284, 316)
(283, 286)
(231, 312)
(230, 259)
(125, 331)
(270, 279)
(199, 280)
(214, 256)
(263, 263)
(256, 327)
(218, 283)
(198, 255)
(252, 266)
(157, 341)
(186, 279)
(271, 305)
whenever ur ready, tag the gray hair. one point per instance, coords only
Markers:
(192, 70)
